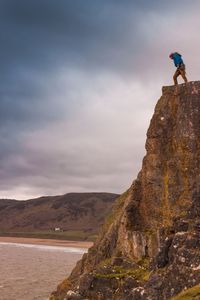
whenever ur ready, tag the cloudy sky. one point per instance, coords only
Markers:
(78, 84)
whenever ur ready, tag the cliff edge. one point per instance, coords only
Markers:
(149, 247)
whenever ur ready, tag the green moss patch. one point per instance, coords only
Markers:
(192, 293)
(140, 273)
(74, 235)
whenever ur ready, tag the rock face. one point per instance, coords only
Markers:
(149, 247)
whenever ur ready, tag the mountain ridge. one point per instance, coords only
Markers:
(79, 214)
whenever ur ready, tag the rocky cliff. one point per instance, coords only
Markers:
(149, 247)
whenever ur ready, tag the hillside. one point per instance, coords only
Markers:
(78, 215)
(149, 247)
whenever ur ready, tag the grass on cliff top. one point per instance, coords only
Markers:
(192, 293)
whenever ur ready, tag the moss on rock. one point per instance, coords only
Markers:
(192, 293)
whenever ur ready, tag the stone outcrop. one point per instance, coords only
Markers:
(149, 247)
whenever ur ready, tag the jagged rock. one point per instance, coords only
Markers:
(85, 282)
(138, 293)
(180, 225)
(129, 283)
(71, 295)
(155, 225)
(117, 261)
(162, 257)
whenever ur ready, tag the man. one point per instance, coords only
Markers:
(178, 61)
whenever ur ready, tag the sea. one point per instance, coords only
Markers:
(32, 272)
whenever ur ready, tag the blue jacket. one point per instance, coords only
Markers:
(177, 59)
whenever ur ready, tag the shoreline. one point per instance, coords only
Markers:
(46, 242)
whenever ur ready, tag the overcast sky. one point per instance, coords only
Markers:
(79, 81)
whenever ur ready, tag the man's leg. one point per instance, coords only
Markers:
(182, 71)
(176, 74)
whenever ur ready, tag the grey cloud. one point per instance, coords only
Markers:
(52, 54)
(41, 34)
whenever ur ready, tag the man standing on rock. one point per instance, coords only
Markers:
(178, 61)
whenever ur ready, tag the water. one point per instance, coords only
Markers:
(32, 272)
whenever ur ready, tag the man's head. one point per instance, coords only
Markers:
(171, 55)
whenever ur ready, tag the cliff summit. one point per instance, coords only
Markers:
(149, 247)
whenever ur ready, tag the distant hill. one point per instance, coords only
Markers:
(78, 215)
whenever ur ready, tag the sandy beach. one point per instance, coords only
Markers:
(47, 242)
